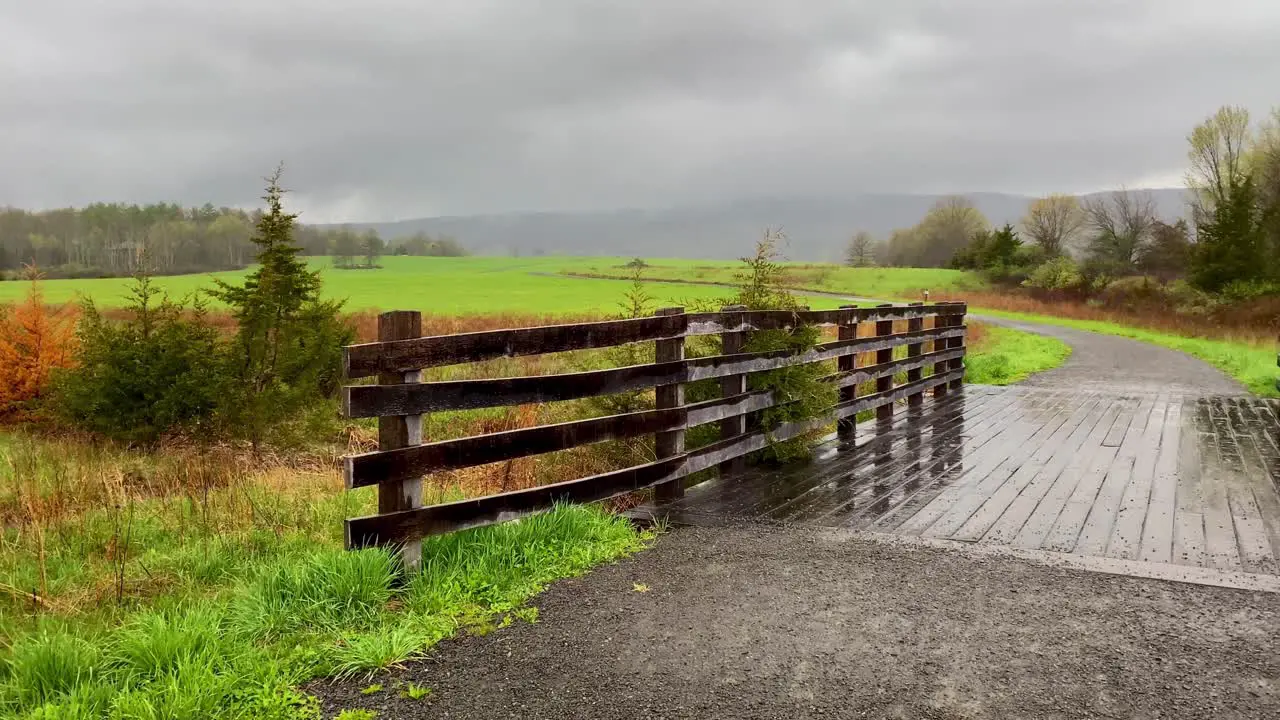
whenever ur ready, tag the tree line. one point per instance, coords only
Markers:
(166, 368)
(1230, 245)
(110, 239)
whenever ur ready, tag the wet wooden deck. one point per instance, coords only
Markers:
(1162, 478)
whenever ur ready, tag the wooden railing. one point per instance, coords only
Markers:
(399, 399)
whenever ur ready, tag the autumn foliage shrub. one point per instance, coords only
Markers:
(35, 340)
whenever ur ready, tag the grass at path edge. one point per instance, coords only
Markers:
(1254, 367)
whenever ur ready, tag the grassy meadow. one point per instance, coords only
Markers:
(441, 286)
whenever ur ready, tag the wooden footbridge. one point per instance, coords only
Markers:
(1173, 479)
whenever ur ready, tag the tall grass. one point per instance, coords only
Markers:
(236, 643)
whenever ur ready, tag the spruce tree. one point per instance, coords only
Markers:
(287, 351)
(1231, 240)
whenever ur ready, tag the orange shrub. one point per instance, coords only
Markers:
(34, 341)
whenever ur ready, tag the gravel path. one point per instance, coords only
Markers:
(1116, 364)
(760, 623)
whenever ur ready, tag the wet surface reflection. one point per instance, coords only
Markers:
(1160, 477)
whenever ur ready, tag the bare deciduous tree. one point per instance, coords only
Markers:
(1053, 223)
(1121, 224)
(861, 251)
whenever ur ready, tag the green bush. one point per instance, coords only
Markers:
(1058, 274)
(1246, 290)
(158, 372)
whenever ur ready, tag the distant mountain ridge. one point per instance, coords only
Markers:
(818, 228)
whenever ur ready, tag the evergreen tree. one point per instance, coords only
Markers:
(287, 350)
(1231, 240)
(158, 372)
(1001, 247)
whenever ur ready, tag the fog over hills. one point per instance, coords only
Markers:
(818, 227)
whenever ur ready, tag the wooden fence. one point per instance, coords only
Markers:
(400, 398)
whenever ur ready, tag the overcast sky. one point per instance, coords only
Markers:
(388, 109)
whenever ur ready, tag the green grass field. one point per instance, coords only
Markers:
(880, 283)
(444, 286)
(456, 286)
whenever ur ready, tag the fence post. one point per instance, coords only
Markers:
(731, 343)
(915, 350)
(957, 343)
(401, 431)
(940, 321)
(884, 327)
(847, 329)
(670, 443)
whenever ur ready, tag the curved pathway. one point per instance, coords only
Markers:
(1110, 363)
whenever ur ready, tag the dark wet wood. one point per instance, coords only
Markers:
(379, 400)
(1161, 478)
(846, 365)
(399, 527)
(409, 354)
(669, 443)
(884, 384)
(731, 344)
(914, 351)
(399, 400)
(409, 462)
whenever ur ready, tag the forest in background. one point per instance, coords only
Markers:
(112, 240)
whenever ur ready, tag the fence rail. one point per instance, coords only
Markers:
(399, 400)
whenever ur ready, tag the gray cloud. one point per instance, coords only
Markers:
(396, 108)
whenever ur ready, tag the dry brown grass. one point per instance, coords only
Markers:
(1254, 323)
(48, 487)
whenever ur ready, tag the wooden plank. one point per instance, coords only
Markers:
(415, 354)
(669, 443)
(941, 322)
(1220, 545)
(376, 400)
(409, 462)
(1044, 519)
(992, 459)
(914, 351)
(884, 384)
(870, 402)
(847, 426)
(1188, 539)
(1055, 456)
(1001, 515)
(1098, 526)
(709, 456)
(1158, 529)
(366, 359)
(976, 485)
(731, 344)
(402, 431)
(846, 501)
(957, 342)
(909, 365)
(1126, 531)
(407, 525)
